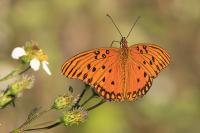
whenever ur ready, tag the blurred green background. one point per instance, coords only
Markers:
(64, 28)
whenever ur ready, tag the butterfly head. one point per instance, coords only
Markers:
(123, 42)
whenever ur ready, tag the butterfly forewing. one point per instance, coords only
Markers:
(99, 68)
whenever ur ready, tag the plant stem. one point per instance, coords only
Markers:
(82, 93)
(96, 105)
(92, 96)
(81, 96)
(25, 70)
(86, 101)
(47, 127)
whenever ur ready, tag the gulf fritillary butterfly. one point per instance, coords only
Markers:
(118, 74)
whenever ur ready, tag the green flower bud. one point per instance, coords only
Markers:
(19, 85)
(75, 116)
(64, 101)
(4, 100)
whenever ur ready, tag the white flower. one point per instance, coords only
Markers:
(35, 65)
(45, 67)
(18, 52)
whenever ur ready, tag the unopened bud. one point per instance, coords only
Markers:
(75, 116)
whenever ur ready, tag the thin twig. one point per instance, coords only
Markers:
(86, 101)
(96, 105)
(47, 127)
(25, 70)
(81, 96)
(82, 93)
(27, 123)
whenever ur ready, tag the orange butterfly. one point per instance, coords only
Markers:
(118, 74)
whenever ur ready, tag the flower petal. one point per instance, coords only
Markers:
(35, 64)
(45, 67)
(18, 52)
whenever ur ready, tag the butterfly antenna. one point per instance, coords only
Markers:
(114, 24)
(133, 26)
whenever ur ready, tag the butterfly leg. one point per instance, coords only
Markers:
(81, 95)
(113, 42)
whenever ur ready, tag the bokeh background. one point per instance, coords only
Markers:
(65, 27)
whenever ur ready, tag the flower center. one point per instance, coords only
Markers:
(41, 56)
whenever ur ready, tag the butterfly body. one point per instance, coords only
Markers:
(118, 74)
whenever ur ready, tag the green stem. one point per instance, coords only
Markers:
(81, 96)
(86, 101)
(47, 127)
(26, 69)
(96, 105)
(82, 93)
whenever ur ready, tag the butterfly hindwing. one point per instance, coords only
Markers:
(145, 63)
(138, 81)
